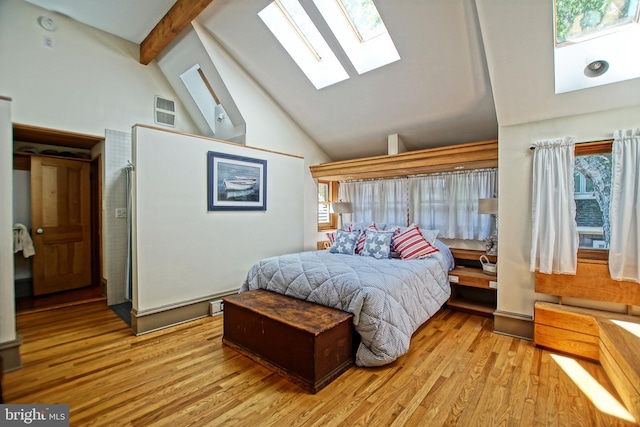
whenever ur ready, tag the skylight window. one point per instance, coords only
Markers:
(595, 42)
(203, 95)
(579, 20)
(360, 31)
(295, 31)
(364, 17)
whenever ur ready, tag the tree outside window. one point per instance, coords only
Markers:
(592, 195)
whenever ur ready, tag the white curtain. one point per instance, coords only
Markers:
(624, 250)
(449, 202)
(382, 201)
(554, 240)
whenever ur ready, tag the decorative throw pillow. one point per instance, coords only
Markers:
(360, 244)
(332, 237)
(345, 242)
(377, 244)
(411, 244)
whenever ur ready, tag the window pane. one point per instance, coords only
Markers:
(588, 185)
(323, 213)
(593, 192)
(323, 192)
(365, 17)
(577, 19)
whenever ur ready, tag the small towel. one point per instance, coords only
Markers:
(22, 241)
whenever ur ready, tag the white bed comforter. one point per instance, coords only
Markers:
(389, 298)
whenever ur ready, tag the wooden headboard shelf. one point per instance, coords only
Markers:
(474, 155)
(592, 281)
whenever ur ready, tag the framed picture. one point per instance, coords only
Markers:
(236, 183)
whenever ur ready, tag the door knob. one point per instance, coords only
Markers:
(39, 231)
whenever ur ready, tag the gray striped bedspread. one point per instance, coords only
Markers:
(389, 298)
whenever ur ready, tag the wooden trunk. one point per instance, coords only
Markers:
(307, 343)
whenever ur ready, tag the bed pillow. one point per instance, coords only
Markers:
(377, 244)
(429, 235)
(411, 244)
(332, 237)
(444, 250)
(360, 244)
(345, 242)
(353, 226)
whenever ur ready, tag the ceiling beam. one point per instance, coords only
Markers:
(175, 20)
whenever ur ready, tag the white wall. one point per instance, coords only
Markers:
(516, 292)
(185, 253)
(7, 311)
(268, 126)
(87, 82)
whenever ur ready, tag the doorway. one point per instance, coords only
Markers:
(69, 265)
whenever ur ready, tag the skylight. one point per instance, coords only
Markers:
(595, 42)
(356, 24)
(203, 95)
(360, 31)
(577, 20)
(295, 31)
(364, 17)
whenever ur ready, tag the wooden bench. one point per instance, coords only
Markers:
(611, 339)
(307, 343)
(593, 334)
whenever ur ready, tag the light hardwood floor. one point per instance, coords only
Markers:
(457, 372)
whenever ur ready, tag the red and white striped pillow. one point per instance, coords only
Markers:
(411, 244)
(332, 237)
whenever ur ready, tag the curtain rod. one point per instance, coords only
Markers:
(533, 147)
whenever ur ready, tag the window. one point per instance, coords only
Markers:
(356, 24)
(360, 31)
(295, 31)
(579, 20)
(327, 192)
(363, 17)
(595, 42)
(203, 95)
(592, 177)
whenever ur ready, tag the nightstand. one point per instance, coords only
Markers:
(471, 289)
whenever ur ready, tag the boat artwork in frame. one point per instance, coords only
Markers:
(236, 183)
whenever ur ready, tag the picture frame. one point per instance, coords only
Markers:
(236, 183)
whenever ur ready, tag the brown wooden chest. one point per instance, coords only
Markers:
(307, 343)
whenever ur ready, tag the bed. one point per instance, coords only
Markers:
(389, 298)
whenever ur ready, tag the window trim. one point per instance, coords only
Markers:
(333, 196)
(585, 149)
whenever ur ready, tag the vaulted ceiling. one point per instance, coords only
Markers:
(466, 65)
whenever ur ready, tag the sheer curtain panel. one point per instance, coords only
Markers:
(382, 201)
(624, 250)
(554, 240)
(449, 202)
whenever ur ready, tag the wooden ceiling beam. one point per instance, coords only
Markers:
(175, 20)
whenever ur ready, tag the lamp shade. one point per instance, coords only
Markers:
(342, 207)
(488, 206)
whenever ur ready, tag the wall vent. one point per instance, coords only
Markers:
(165, 111)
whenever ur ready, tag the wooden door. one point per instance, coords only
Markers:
(61, 212)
